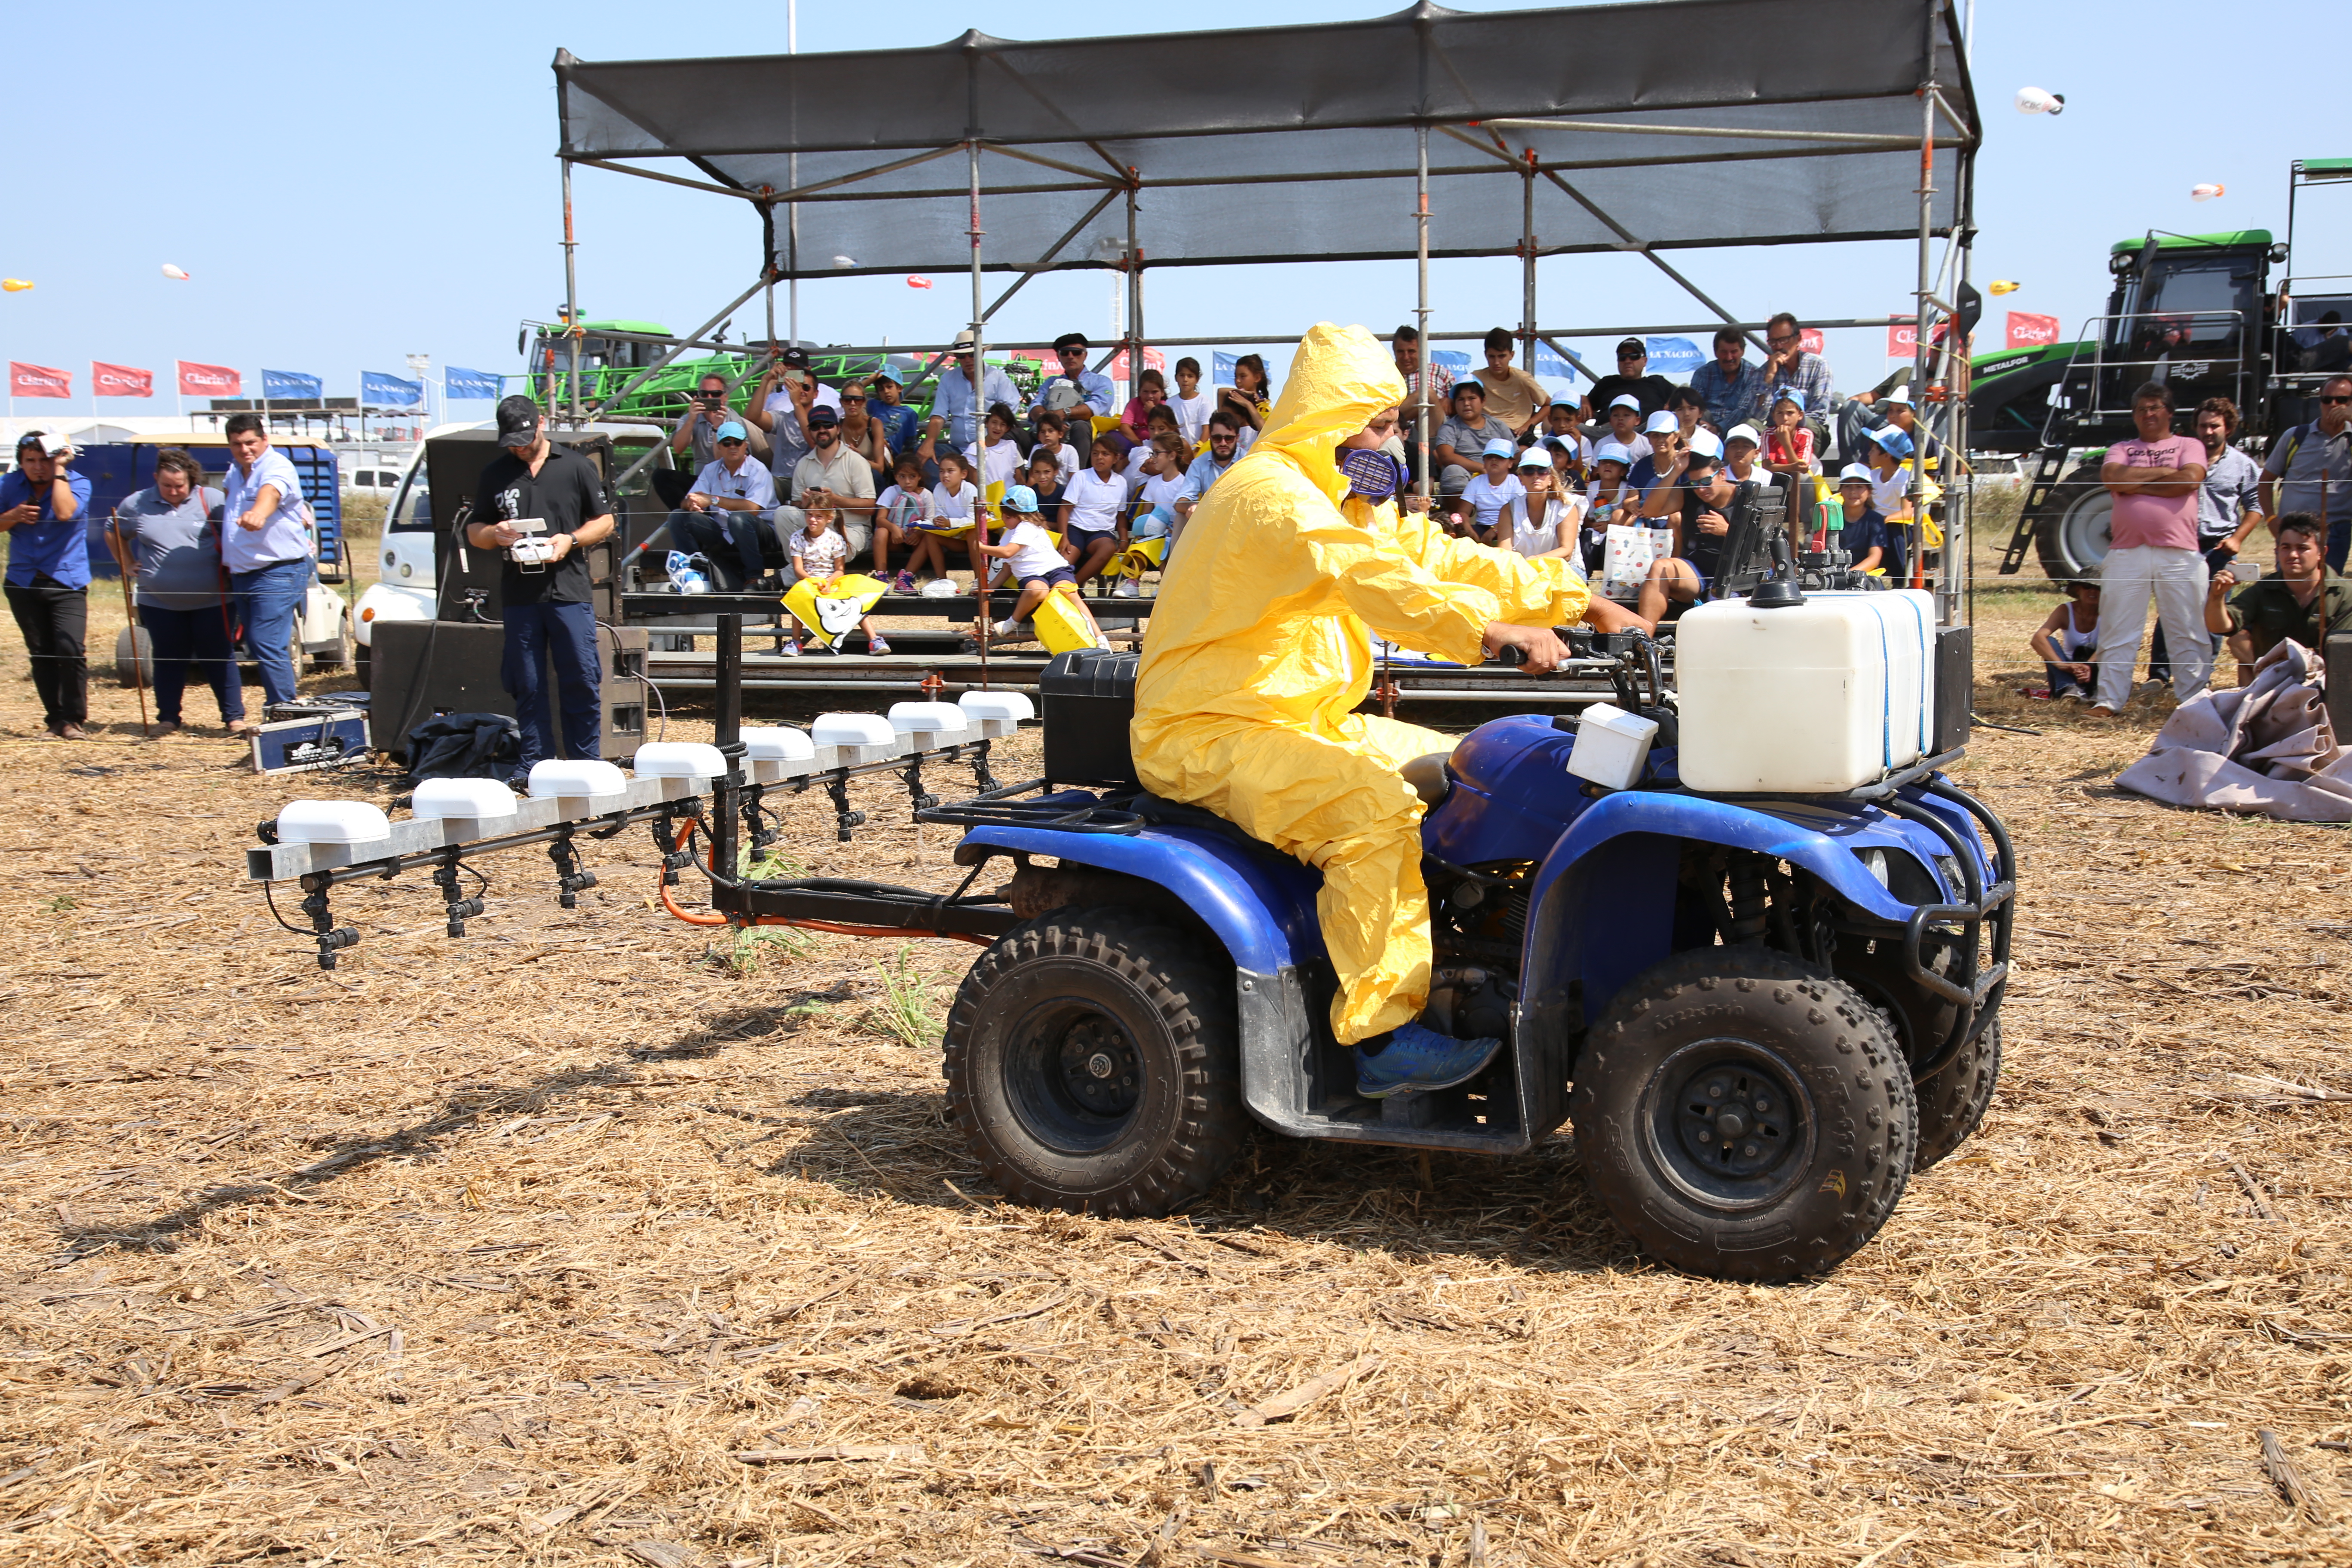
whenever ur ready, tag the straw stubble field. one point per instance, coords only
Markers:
(586, 1240)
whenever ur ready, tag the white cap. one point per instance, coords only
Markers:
(1703, 443)
(1613, 452)
(1743, 433)
(1500, 447)
(1626, 400)
(1535, 457)
(1661, 424)
(1857, 474)
(1901, 395)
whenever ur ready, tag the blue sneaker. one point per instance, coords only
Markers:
(1419, 1058)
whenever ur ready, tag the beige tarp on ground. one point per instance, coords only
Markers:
(2265, 748)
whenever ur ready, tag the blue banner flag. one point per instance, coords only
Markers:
(1222, 374)
(1549, 363)
(1673, 354)
(1452, 359)
(291, 386)
(479, 384)
(378, 390)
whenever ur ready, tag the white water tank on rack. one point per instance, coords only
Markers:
(854, 739)
(586, 787)
(332, 822)
(927, 726)
(776, 752)
(993, 715)
(1814, 698)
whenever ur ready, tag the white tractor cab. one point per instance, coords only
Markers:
(403, 588)
(406, 587)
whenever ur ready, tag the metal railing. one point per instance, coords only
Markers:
(2079, 398)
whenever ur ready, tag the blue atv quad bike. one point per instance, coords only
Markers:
(1759, 1016)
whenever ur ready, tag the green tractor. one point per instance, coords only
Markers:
(2197, 311)
(615, 353)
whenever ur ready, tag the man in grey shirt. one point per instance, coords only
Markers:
(166, 538)
(2228, 507)
(1461, 438)
(2310, 468)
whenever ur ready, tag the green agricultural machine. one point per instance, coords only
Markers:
(613, 354)
(2200, 312)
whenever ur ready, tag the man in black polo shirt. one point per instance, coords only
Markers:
(541, 506)
(1633, 377)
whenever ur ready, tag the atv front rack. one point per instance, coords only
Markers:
(1067, 811)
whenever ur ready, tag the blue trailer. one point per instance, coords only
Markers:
(118, 470)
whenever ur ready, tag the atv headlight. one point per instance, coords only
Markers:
(1957, 885)
(1874, 862)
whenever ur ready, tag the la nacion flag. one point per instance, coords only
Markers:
(121, 379)
(209, 380)
(37, 380)
(2027, 330)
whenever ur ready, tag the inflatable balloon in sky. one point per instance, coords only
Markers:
(845, 262)
(2205, 193)
(2035, 100)
(2005, 286)
(14, 285)
(172, 271)
(919, 282)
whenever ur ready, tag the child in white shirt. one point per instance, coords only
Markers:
(903, 515)
(1029, 553)
(1489, 495)
(819, 552)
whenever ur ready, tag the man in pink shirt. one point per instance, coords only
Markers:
(2154, 478)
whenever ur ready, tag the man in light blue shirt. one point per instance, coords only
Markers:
(1224, 441)
(1733, 388)
(266, 544)
(1076, 385)
(953, 404)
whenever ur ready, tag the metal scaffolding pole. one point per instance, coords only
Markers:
(978, 377)
(1421, 305)
(1528, 265)
(1134, 303)
(1925, 303)
(570, 292)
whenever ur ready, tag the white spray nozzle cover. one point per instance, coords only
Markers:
(928, 718)
(777, 743)
(1013, 705)
(474, 798)
(332, 822)
(696, 759)
(577, 780)
(853, 730)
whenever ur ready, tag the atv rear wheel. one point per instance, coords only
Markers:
(1093, 1063)
(1745, 1116)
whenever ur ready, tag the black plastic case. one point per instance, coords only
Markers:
(1086, 700)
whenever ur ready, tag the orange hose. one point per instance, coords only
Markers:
(709, 917)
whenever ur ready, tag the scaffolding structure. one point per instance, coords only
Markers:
(1645, 128)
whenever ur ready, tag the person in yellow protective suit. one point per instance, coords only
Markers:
(1260, 649)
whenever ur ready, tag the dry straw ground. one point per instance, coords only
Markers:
(574, 1243)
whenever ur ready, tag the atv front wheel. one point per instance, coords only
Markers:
(1952, 1103)
(1744, 1116)
(1093, 1063)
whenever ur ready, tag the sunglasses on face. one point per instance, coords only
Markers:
(852, 397)
(731, 441)
(2335, 400)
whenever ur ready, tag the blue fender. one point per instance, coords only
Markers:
(1602, 907)
(1260, 904)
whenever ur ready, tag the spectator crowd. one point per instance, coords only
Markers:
(1511, 464)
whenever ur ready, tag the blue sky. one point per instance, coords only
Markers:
(356, 183)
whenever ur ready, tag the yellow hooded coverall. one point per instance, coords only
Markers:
(1260, 649)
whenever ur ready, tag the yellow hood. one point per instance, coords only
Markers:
(1340, 378)
(1275, 591)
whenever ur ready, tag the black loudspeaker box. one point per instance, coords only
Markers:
(422, 669)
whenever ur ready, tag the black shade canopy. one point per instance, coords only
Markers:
(1298, 142)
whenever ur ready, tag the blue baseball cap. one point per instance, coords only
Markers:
(1499, 447)
(1020, 497)
(1897, 444)
(732, 431)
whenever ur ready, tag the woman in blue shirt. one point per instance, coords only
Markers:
(41, 506)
